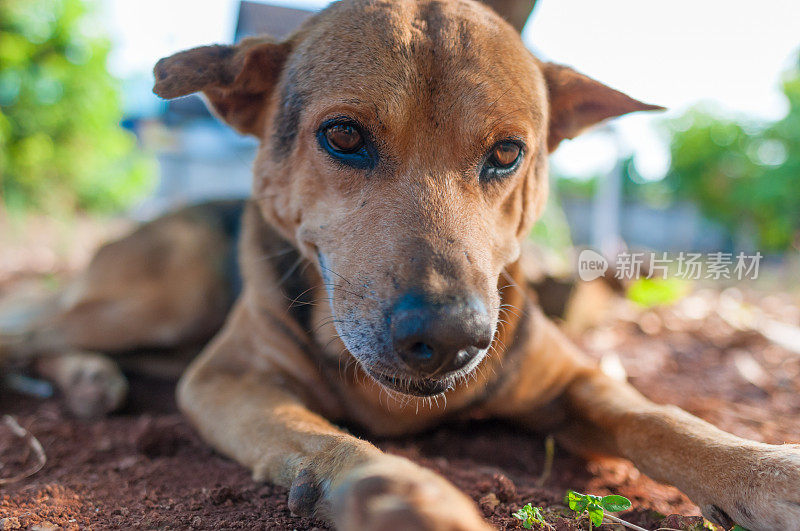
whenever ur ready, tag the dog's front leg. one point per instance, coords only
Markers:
(255, 417)
(732, 479)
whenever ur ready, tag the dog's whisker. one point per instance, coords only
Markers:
(509, 308)
(327, 322)
(282, 252)
(330, 342)
(326, 268)
(299, 304)
(361, 296)
(289, 272)
(305, 291)
(514, 284)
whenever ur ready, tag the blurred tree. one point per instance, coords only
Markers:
(744, 175)
(61, 145)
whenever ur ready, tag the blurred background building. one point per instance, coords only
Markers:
(199, 157)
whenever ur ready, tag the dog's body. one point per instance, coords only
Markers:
(399, 169)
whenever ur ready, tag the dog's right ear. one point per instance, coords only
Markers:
(237, 80)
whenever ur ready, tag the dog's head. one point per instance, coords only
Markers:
(403, 151)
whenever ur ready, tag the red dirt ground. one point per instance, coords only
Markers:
(146, 468)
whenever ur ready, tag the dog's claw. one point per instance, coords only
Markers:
(715, 515)
(304, 494)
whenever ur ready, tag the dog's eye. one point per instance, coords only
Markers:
(505, 155)
(502, 160)
(345, 142)
(344, 138)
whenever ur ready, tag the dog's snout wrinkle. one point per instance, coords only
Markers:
(439, 335)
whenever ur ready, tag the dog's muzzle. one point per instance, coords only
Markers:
(435, 336)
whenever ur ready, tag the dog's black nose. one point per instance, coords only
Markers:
(437, 335)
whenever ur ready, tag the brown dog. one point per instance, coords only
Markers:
(403, 160)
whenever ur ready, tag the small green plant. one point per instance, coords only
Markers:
(652, 292)
(529, 516)
(596, 507)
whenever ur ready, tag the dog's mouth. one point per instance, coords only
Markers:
(421, 387)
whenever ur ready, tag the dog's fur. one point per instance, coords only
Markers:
(326, 250)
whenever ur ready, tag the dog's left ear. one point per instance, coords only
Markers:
(578, 102)
(236, 80)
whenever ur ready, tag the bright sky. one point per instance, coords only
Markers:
(730, 52)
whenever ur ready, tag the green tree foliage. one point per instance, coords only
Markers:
(744, 175)
(61, 145)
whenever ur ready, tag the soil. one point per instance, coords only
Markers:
(145, 467)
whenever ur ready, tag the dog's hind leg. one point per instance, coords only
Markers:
(91, 383)
(166, 285)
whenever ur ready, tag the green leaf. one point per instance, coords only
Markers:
(615, 503)
(737, 527)
(527, 515)
(577, 501)
(595, 514)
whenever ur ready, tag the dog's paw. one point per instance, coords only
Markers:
(396, 494)
(92, 384)
(761, 490)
